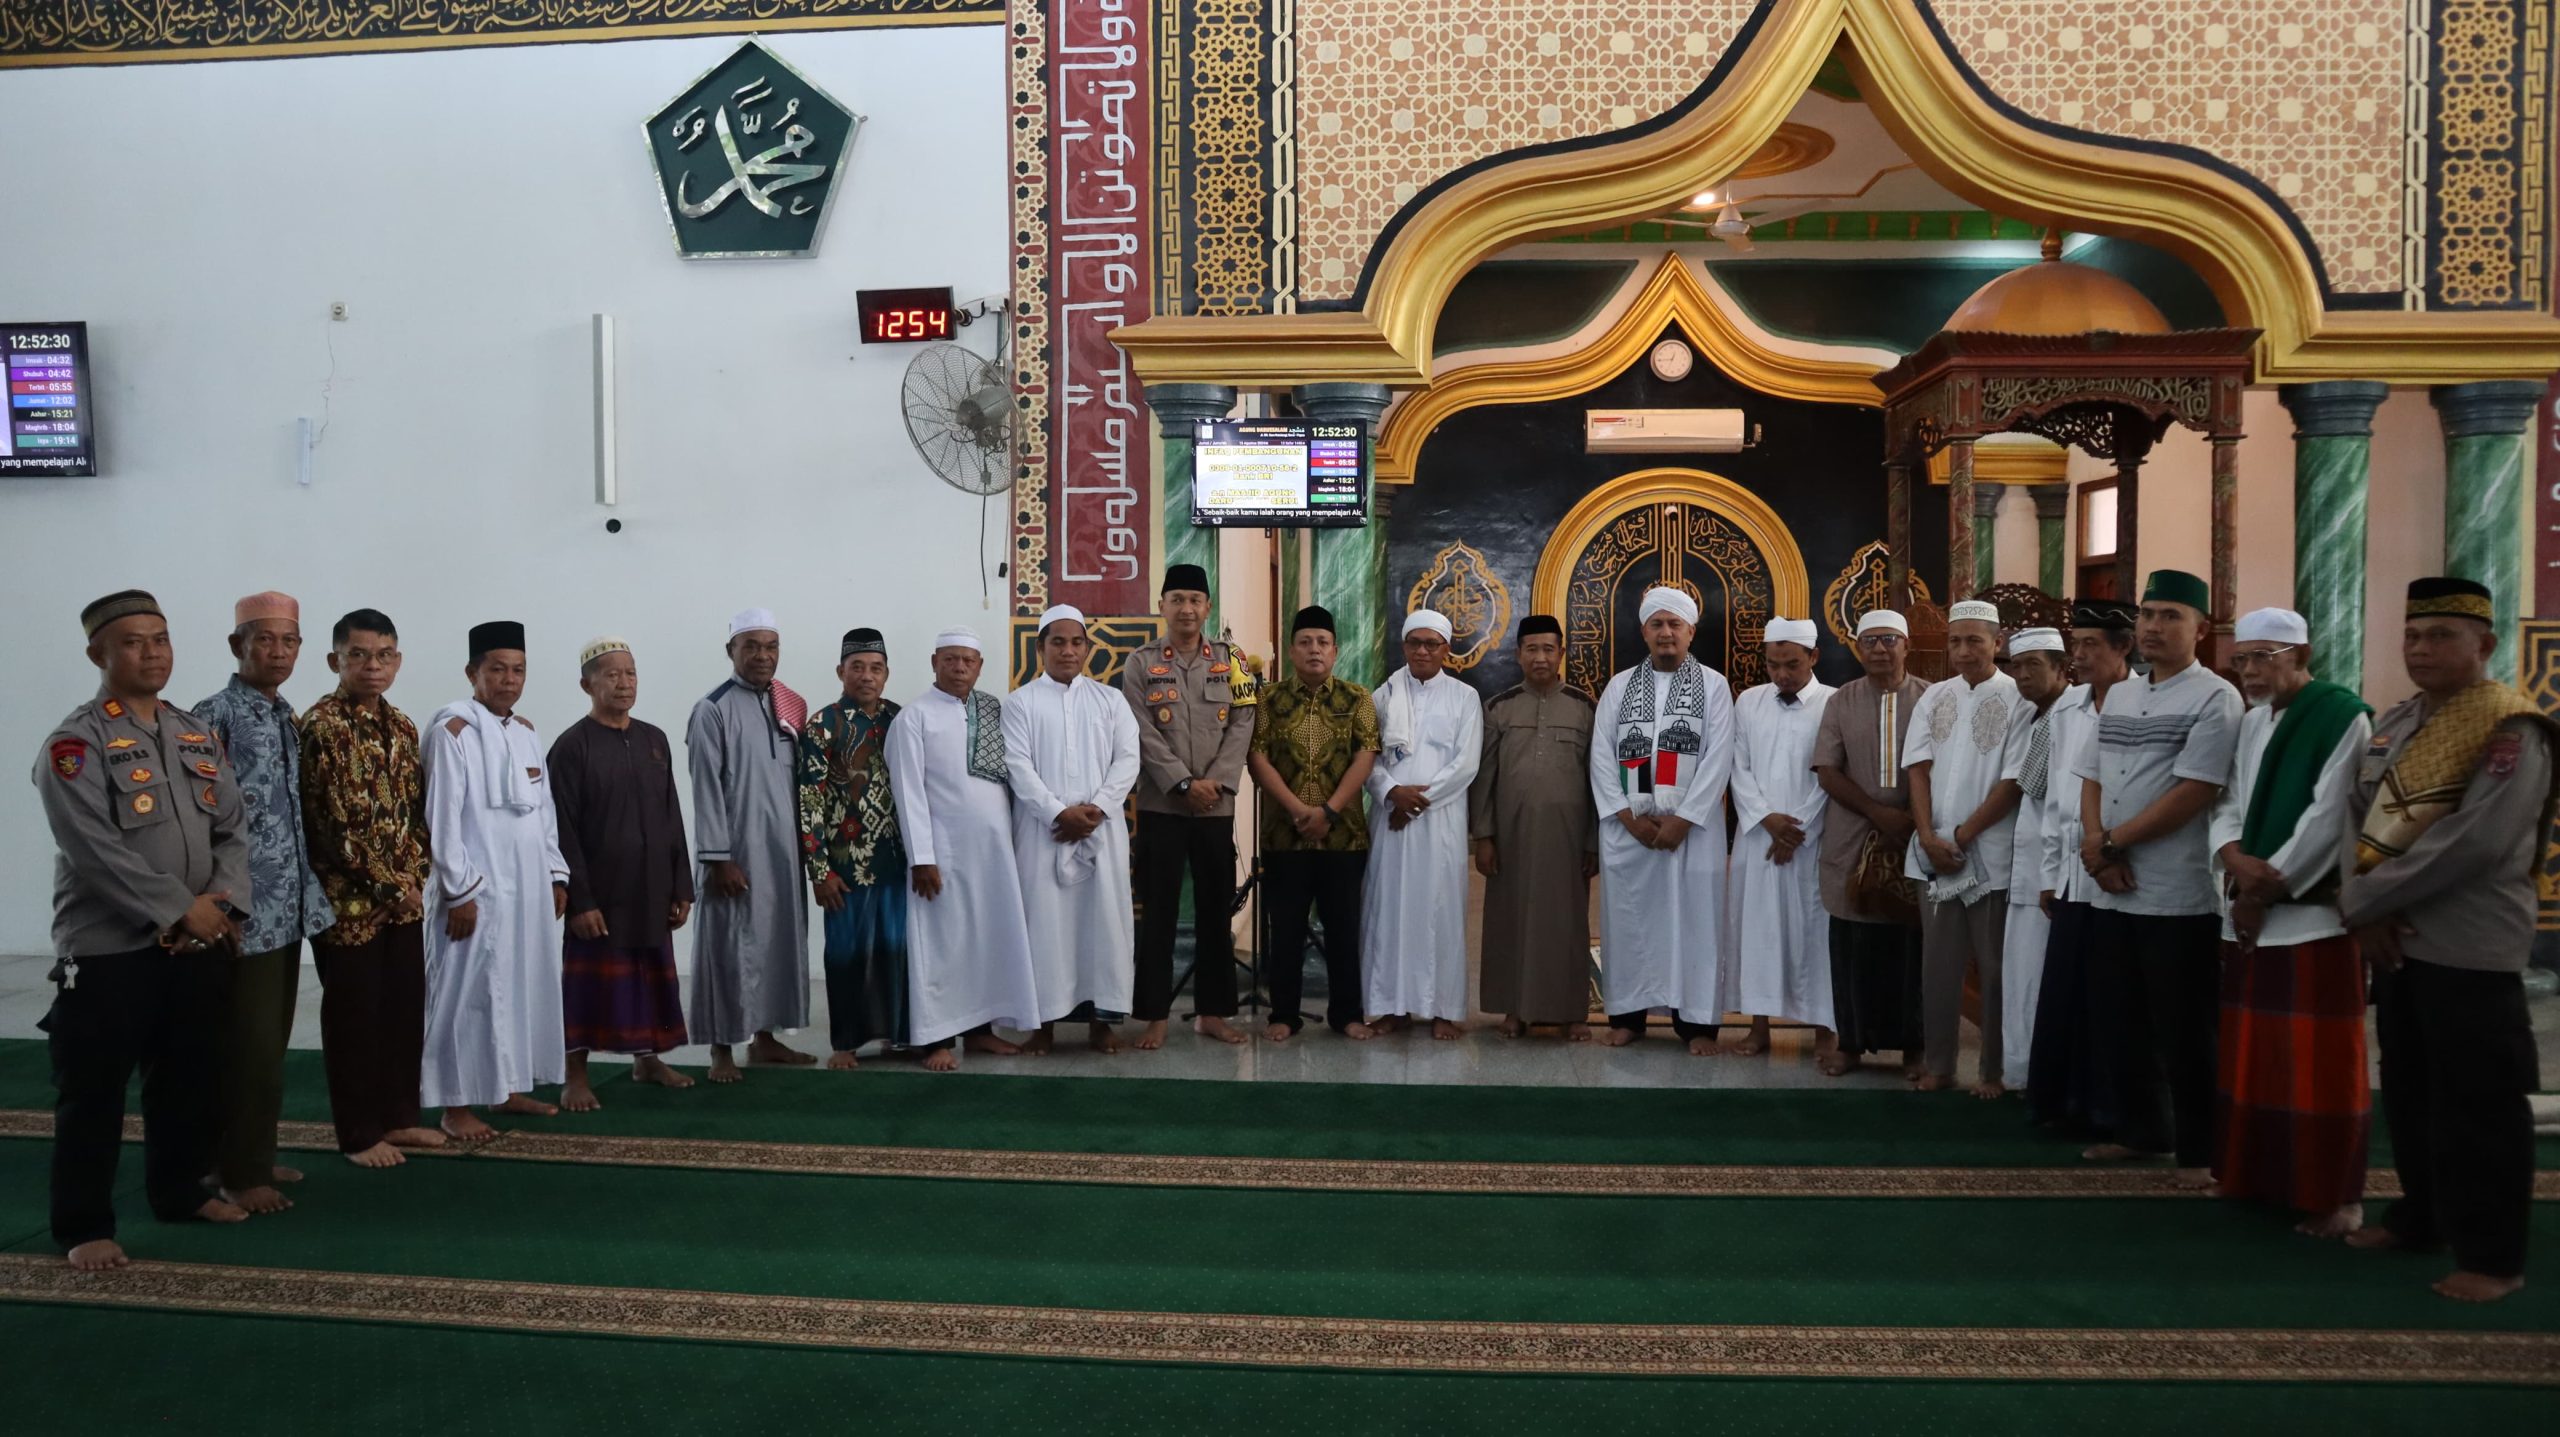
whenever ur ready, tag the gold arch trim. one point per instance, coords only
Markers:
(1789, 587)
(1674, 295)
(2238, 242)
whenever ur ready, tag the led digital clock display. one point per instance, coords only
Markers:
(47, 431)
(906, 316)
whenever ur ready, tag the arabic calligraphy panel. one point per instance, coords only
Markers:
(748, 158)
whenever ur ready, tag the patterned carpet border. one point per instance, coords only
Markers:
(1299, 1174)
(1228, 1339)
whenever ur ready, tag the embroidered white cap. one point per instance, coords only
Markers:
(1883, 620)
(2035, 641)
(747, 620)
(1974, 611)
(958, 639)
(2282, 626)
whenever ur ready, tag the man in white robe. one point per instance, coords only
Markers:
(969, 961)
(1963, 825)
(1413, 925)
(493, 911)
(751, 928)
(1777, 936)
(1071, 750)
(2037, 662)
(1661, 756)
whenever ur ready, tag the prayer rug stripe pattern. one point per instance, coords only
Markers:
(1352, 1344)
(1291, 1174)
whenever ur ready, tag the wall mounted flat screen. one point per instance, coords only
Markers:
(50, 432)
(1278, 474)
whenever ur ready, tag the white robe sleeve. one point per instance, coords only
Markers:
(2311, 855)
(2061, 818)
(706, 751)
(1702, 797)
(1030, 790)
(1127, 756)
(1751, 805)
(905, 751)
(450, 760)
(1606, 793)
(2231, 807)
(1452, 782)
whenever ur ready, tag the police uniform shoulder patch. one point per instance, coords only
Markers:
(191, 738)
(138, 775)
(1159, 670)
(122, 742)
(112, 708)
(2506, 746)
(207, 767)
(144, 803)
(69, 757)
(211, 798)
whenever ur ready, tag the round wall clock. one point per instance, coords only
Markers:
(1672, 361)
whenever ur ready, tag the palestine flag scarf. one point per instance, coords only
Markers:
(1654, 764)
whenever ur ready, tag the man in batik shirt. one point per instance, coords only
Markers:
(857, 866)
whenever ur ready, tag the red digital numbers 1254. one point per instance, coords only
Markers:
(905, 316)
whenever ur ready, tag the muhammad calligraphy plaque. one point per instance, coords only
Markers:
(748, 158)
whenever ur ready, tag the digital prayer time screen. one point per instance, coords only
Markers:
(48, 434)
(1278, 474)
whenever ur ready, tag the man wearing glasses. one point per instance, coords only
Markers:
(1875, 934)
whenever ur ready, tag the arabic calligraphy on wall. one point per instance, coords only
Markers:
(748, 157)
(1463, 586)
(39, 34)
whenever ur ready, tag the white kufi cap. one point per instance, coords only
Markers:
(749, 619)
(2281, 626)
(1974, 610)
(1667, 601)
(958, 639)
(1790, 631)
(2035, 641)
(1882, 621)
(1431, 620)
(1054, 613)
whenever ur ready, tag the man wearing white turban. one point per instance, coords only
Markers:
(1964, 823)
(1777, 938)
(1413, 925)
(751, 930)
(1661, 755)
(1875, 939)
(1071, 751)
(969, 963)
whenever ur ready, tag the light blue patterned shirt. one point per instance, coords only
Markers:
(286, 903)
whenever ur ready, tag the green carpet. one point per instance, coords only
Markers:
(2086, 1263)
(111, 1373)
(883, 1104)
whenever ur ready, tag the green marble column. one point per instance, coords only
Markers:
(1986, 533)
(2485, 427)
(1351, 564)
(2053, 502)
(1178, 407)
(1960, 545)
(2332, 474)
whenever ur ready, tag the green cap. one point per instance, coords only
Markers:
(2177, 586)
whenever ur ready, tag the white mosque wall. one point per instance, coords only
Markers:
(473, 208)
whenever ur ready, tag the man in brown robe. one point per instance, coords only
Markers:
(1875, 934)
(1537, 842)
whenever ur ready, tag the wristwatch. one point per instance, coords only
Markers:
(2107, 848)
(1182, 788)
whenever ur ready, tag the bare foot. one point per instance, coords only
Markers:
(1932, 1083)
(1703, 1046)
(652, 1069)
(1274, 1033)
(1754, 1043)
(1913, 1070)
(528, 1103)
(841, 1061)
(216, 1210)
(98, 1256)
(2472, 1287)
(1037, 1045)
(415, 1138)
(1104, 1038)
(380, 1155)
(1218, 1028)
(724, 1067)
(942, 1060)
(2373, 1239)
(1577, 1032)
(285, 1174)
(1989, 1089)
(257, 1199)
(1442, 1030)
(1392, 1023)
(578, 1097)
(772, 1050)
(465, 1126)
(2336, 1222)
(1835, 1063)
(1619, 1037)
(2194, 1180)
(1512, 1027)
(1359, 1032)
(989, 1043)
(1150, 1037)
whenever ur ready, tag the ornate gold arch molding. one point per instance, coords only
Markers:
(2225, 230)
(1674, 295)
(1790, 589)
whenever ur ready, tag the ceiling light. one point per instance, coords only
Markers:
(1706, 199)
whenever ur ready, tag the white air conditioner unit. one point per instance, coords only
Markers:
(1663, 431)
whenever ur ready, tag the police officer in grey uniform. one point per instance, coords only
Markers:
(1194, 700)
(152, 861)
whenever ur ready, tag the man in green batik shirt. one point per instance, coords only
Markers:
(857, 867)
(1315, 737)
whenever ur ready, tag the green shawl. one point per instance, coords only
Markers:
(2306, 734)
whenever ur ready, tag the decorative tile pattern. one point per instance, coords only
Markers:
(1227, 191)
(2487, 148)
(2303, 95)
(1027, 152)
